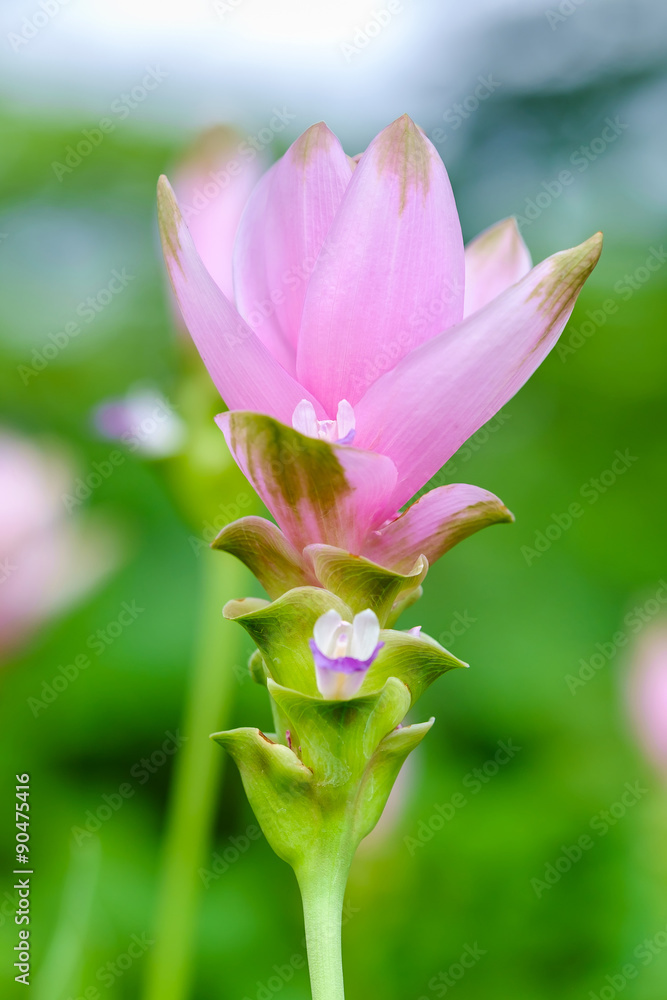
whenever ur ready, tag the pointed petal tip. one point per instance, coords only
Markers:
(317, 138)
(402, 151)
(169, 218)
(504, 234)
(404, 120)
(564, 275)
(402, 132)
(590, 248)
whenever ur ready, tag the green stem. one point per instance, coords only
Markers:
(195, 781)
(322, 887)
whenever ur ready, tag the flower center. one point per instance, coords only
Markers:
(338, 431)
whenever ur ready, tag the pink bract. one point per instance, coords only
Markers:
(352, 285)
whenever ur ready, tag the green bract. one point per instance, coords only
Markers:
(321, 781)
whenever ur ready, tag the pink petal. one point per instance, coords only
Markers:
(648, 689)
(421, 411)
(243, 370)
(495, 259)
(282, 231)
(390, 275)
(212, 185)
(434, 524)
(316, 491)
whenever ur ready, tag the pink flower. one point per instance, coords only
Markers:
(48, 558)
(213, 183)
(361, 321)
(648, 694)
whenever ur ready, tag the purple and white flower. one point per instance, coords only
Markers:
(343, 652)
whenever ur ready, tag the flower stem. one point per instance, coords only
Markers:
(195, 782)
(322, 887)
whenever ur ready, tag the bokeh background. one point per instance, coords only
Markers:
(478, 853)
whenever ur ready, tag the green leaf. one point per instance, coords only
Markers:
(417, 660)
(361, 583)
(381, 773)
(336, 739)
(282, 629)
(263, 548)
(278, 787)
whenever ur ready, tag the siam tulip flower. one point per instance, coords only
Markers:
(49, 560)
(213, 182)
(364, 347)
(648, 695)
(343, 651)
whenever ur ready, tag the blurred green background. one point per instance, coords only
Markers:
(461, 863)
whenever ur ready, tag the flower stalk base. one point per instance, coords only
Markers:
(322, 884)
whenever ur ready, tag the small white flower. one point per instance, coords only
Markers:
(343, 651)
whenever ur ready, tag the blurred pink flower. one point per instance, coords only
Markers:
(48, 559)
(143, 420)
(361, 320)
(648, 694)
(213, 182)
